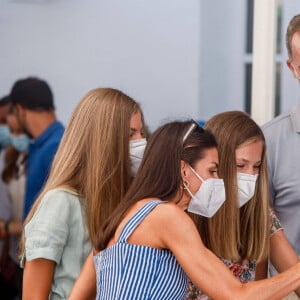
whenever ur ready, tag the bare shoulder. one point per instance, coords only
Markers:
(170, 216)
(168, 210)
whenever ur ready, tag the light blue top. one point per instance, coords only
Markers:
(58, 232)
(283, 150)
(133, 272)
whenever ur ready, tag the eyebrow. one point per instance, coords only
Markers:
(246, 160)
(135, 130)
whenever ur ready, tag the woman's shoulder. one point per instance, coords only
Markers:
(169, 214)
(61, 194)
(170, 208)
(60, 200)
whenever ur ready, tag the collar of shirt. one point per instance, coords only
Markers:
(47, 133)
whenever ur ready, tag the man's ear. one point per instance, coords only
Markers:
(291, 67)
(19, 110)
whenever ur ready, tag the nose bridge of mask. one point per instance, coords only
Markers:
(137, 143)
(247, 179)
(137, 147)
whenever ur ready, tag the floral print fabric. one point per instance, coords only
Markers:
(244, 272)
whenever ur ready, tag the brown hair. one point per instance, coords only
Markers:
(93, 155)
(10, 160)
(233, 232)
(293, 27)
(159, 175)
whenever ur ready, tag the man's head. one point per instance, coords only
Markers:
(33, 94)
(4, 103)
(293, 45)
(33, 105)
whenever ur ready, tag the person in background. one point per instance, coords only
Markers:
(14, 176)
(33, 105)
(283, 144)
(244, 229)
(149, 245)
(91, 171)
(4, 142)
(8, 292)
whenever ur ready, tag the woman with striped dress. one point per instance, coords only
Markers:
(149, 246)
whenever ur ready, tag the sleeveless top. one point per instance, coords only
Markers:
(127, 271)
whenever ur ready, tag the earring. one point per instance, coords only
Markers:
(185, 185)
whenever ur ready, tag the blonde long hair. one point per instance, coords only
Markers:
(93, 156)
(237, 233)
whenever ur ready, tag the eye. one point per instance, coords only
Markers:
(132, 133)
(240, 166)
(257, 166)
(214, 172)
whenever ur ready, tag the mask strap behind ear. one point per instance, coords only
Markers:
(202, 180)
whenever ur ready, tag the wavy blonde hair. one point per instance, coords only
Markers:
(233, 232)
(93, 156)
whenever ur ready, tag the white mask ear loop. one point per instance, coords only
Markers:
(185, 185)
(198, 176)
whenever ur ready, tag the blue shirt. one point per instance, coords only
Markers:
(40, 156)
(283, 148)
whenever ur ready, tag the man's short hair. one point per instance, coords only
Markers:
(293, 27)
(4, 101)
(32, 93)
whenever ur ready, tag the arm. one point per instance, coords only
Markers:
(85, 285)
(282, 255)
(261, 270)
(179, 234)
(37, 279)
(46, 237)
(11, 227)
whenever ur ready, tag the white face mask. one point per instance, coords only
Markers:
(209, 198)
(246, 187)
(136, 152)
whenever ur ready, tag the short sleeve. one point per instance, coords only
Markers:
(275, 224)
(47, 232)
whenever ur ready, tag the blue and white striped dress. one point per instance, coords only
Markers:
(126, 271)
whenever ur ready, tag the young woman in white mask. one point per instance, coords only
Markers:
(91, 172)
(245, 232)
(149, 246)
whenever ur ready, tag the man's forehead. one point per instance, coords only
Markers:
(295, 44)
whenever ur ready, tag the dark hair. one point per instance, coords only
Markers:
(293, 27)
(159, 175)
(4, 101)
(32, 93)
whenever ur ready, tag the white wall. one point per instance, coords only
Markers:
(222, 41)
(148, 49)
